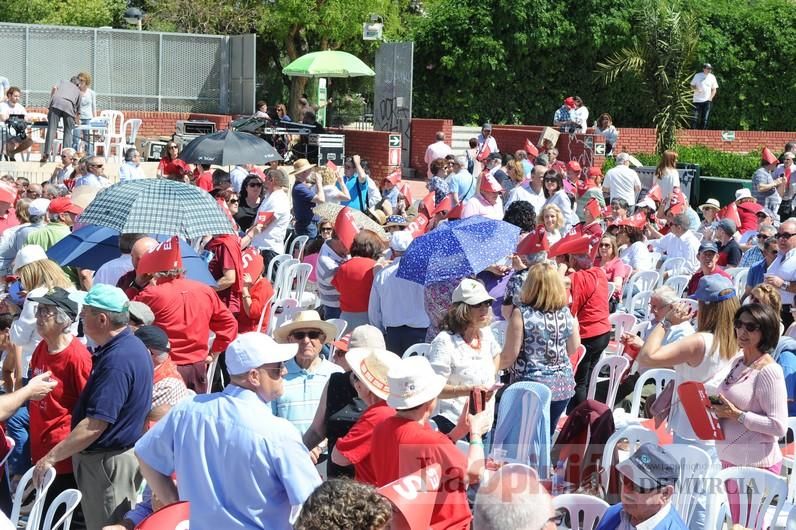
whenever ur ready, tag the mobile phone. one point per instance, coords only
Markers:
(715, 400)
(477, 401)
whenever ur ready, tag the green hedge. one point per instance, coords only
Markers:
(713, 163)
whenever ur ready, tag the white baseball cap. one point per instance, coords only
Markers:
(38, 207)
(412, 382)
(471, 292)
(400, 240)
(646, 202)
(28, 254)
(252, 350)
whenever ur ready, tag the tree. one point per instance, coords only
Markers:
(89, 13)
(661, 55)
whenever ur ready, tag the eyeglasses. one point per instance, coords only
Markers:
(255, 184)
(485, 303)
(605, 245)
(279, 369)
(232, 201)
(299, 335)
(751, 327)
(45, 311)
(784, 235)
(172, 147)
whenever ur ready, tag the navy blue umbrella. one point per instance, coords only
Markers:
(92, 246)
(458, 249)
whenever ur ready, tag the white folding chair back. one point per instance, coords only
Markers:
(611, 289)
(738, 275)
(638, 282)
(211, 373)
(617, 365)
(757, 490)
(585, 511)
(288, 306)
(696, 471)
(299, 242)
(283, 284)
(788, 462)
(640, 304)
(622, 323)
(34, 517)
(69, 499)
(11, 443)
(113, 134)
(499, 331)
(661, 376)
(295, 282)
(421, 348)
(341, 326)
(672, 266)
(636, 435)
(125, 139)
(656, 258)
(275, 264)
(678, 283)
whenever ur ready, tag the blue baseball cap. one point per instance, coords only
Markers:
(651, 466)
(714, 288)
(708, 246)
(104, 297)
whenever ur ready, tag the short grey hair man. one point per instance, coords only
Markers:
(130, 154)
(440, 136)
(513, 498)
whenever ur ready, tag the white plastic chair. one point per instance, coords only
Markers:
(499, 331)
(421, 348)
(672, 266)
(640, 304)
(661, 376)
(282, 287)
(341, 326)
(656, 258)
(585, 511)
(787, 514)
(635, 434)
(678, 283)
(696, 471)
(34, 517)
(617, 365)
(622, 323)
(757, 490)
(300, 242)
(288, 306)
(69, 499)
(611, 289)
(211, 373)
(275, 263)
(113, 134)
(638, 282)
(296, 276)
(738, 275)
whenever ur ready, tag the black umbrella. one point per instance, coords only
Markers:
(229, 148)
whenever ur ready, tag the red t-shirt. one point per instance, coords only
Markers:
(224, 260)
(353, 280)
(616, 268)
(51, 417)
(402, 446)
(356, 445)
(173, 168)
(747, 213)
(187, 311)
(205, 180)
(589, 290)
(261, 291)
(693, 283)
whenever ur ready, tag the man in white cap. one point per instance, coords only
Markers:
(747, 210)
(396, 305)
(37, 213)
(307, 372)
(622, 182)
(406, 443)
(237, 464)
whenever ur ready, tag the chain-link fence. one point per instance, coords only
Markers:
(131, 70)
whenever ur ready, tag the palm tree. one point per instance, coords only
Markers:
(661, 55)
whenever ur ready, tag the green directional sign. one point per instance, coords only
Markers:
(728, 136)
(394, 141)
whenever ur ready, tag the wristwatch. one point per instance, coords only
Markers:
(741, 417)
(666, 325)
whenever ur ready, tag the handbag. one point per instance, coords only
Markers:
(661, 405)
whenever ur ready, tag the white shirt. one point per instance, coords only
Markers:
(491, 142)
(526, 193)
(638, 257)
(703, 85)
(622, 183)
(581, 116)
(668, 181)
(273, 236)
(6, 110)
(784, 267)
(333, 194)
(478, 206)
(649, 524)
(436, 150)
(110, 272)
(237, 176)
(129, 171)
(685, 246)
(396, 302)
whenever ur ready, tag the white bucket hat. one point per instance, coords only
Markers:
(371, 366)
(710, 203)
(743, 193)
(412, 382)
(28, 254)
(471, 292)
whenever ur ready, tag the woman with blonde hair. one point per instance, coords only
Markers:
(615, 269)
(516, 172)
(88, 109)
(334, 187)
(541, 335)
(553, 221)
(667, 178)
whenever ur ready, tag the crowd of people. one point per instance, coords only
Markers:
(106, 374)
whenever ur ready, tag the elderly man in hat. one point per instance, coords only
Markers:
(390, 296)
(61, 214)
(648, 480)
(188, 310)
(485, 140)
(705, 85)
(747, 208)
(110, 413)
(405, 443)
(487, 202)
(306, 195)
(307, 372)
(680, 242)
(708, 258)
(238, 465)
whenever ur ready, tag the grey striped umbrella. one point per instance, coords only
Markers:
(157, 206)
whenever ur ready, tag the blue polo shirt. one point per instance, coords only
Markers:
(118, 391)
(303, 205)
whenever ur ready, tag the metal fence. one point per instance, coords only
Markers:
(131, 70)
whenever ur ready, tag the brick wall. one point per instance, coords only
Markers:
(423, 135)
(570, 146)
(371, 146)
(643, 140)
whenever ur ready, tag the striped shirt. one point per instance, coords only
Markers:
(303, 390)
(325, 269)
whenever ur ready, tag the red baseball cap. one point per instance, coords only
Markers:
(64, 205)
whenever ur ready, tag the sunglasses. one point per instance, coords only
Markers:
(255, 184)
(95, 165)
(784, 235)
(605, 245)
(482, 305)
(299, 335)
(326, 229)
(629, 484)
(232, 201)
(751, 327)
(348, 167)
(172, 147)
(279, 369)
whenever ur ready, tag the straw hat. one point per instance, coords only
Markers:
(371, 366)
(710, 203)
(412, 382)
(302, 164)
(306, 320)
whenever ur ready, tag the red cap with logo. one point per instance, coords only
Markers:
(534, 242)
(64, 205)
(162, 258)
(490, 184)
(570, 244)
